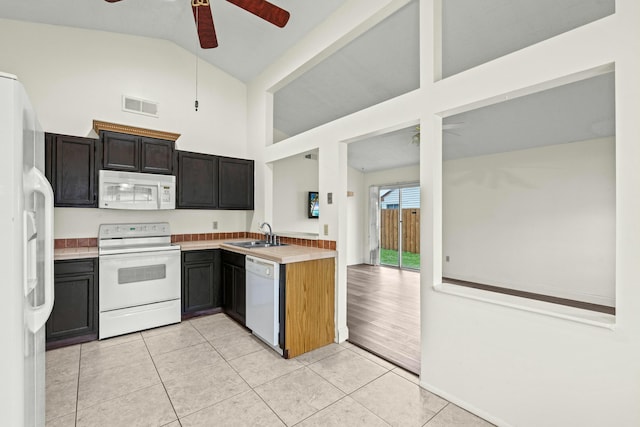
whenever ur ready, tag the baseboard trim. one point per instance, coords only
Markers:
(464, 405)
(342, 334)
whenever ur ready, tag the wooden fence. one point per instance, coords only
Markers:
(410, 229)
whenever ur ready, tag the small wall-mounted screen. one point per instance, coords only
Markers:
(313, 204)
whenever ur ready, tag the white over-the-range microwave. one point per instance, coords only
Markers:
(136, 191)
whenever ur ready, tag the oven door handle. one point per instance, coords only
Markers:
(129, 255)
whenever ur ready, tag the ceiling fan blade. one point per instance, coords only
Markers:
(204, 23)
(265, 10)
(112, 1)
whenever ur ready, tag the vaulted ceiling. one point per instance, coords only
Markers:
(247, 44)
(473, 33)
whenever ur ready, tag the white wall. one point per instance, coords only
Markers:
(74, 76)
(356, 216)
(540, 220)
(293, 178)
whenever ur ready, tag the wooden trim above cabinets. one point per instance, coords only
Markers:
(132, 130)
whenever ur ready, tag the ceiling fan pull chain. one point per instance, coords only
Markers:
(196, 53)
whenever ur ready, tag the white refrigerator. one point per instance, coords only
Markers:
(26, 258)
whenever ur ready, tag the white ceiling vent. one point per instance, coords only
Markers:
(139, 106)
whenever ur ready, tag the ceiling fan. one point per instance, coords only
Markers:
(446, 127)
(204, 19)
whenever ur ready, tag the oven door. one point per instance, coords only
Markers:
(133, 279)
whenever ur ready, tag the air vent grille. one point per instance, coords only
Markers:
(139, 106)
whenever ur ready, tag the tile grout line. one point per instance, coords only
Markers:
(75, 420)
(237, 373)
(222, 357)
(349, 394)
(161, 381)
(246, 382)
(128, 393)
(436, 414)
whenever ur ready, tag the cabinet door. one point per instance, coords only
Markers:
(156, 156)
(240, 288)
(235, 183)
(197, 181)
(71, 169)
(201, 281)
(75, 306)
(228, 296)
(120, 151)
(198, 287)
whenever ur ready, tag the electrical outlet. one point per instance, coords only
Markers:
(326, 229)
(329, 198)
(215, 225)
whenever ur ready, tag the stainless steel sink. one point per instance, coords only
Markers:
(255, 244)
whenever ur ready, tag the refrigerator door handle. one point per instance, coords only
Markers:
(35, 182)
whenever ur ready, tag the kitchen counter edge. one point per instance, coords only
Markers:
(75, 253)
(288, 254)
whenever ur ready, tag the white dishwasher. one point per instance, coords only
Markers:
(262, 299)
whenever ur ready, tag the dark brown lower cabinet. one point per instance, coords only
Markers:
(74, 318)
(234, 286)
(201, 288)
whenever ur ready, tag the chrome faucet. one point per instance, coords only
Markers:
(269, 237)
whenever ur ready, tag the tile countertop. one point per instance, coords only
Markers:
(281, 254)
(75, 253)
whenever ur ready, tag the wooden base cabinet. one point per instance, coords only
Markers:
(234, 286)
(201, 286)
(74, 317)
(307, 312)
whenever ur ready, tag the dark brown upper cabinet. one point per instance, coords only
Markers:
(70, 167)
(131, 153)
(156, 155)
(206, 181)
(197, 181)
(235, 183)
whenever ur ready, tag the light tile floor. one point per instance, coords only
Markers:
(210, 371)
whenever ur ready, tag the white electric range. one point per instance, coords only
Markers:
(139, 278)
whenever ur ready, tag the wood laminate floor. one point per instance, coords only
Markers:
(383, 313)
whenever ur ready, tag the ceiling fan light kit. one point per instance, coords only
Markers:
(204, 18)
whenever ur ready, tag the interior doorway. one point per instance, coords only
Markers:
(399, 242)
(383, 251)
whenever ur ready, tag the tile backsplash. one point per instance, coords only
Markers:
(177, 238)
